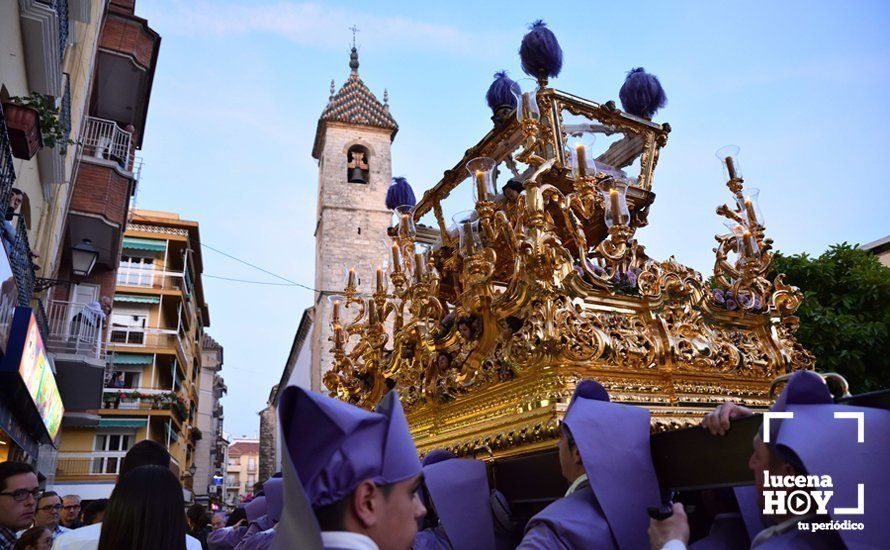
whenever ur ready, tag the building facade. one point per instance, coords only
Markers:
(242, 473)
(74, 87)
(154, 352)
(210, 466)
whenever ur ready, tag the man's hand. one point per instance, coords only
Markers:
(675, 527)
(717, 421)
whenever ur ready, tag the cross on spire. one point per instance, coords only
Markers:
(354, 30)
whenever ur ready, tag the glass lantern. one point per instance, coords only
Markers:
(582, 157)
(419, 261)
(351, 279)
(337, 303)
(749, 205)
(467, 223)
(481, 171)
(728, 156)
(615, 204)
(403, 219)
(746, 243)
(526, 93)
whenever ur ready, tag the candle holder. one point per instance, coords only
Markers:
(526, 93)
(469, 239)
(582, 158)
(728, 156)
(748, 203)
(482, 172)
(403, 220)
(337, 302)
(615, 205)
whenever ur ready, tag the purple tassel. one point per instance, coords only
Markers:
(400, 194)
(641, 94)
(500, 93)
(540, 53)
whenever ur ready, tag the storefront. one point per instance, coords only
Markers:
(30, 405)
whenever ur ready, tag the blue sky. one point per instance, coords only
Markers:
(802, 87)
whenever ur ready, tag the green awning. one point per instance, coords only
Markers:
(154, 245)
(122, 422)
(137, 299)
(131, 359)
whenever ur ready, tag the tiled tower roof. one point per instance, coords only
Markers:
(354, 104)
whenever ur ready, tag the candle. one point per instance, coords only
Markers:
(481, 187)
(404, 228)
(350, 280)
(379, 279)
(338, 336)
(469, 244)
(615, 206)
(730, 167)
(373, 317)
(335, 315)
(396, 259)
(749, 244)
(419, 266)
(526, 105)
(581, 160)
(749, 210)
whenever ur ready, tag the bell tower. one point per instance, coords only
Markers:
(352, 145)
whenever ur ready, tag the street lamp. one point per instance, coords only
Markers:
(83, 258)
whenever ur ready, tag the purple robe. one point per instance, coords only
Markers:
(259, 540)
(431, 539)
(226, 538)
(575, 521)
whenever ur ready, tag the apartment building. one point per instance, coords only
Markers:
(210, 449)
(243, 470)
(154, 349)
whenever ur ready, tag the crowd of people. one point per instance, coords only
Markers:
(352, 479)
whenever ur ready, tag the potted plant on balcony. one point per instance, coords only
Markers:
(23, 128)
(196, 434)
(41, 108)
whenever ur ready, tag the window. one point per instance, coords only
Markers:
(136, 271)
(251, 464)
(251, 481)
(232, 480)
(109, 451)
(127, 328)
(357, 168)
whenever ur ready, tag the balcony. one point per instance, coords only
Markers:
(144, 399)
(44, 25)
(98, 465)
(151, 279)
(125, 66)
(105, 140)
(76, 336)
(123, 338)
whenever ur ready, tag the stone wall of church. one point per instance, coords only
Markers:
(351, 226)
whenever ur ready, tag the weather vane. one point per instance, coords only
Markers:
(354, 30)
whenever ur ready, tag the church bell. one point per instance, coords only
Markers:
(356, 175)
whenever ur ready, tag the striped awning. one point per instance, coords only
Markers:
(134, 243)
(131, 359)
(137, 299)
(123, 422)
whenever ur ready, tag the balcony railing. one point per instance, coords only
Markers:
(99, 463)
(7, 171)
(150, 278)
(145, 399)
(104, 139)
(75, 329)
(65, 115)
(20, 258)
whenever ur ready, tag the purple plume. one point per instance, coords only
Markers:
(718, 295)
(539, 52)
(500, 93)
(641, 94)
(400, 194)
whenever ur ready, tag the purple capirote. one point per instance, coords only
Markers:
(255, 509)
(613, 441)
(458, 488)
(273, 488)
(334, 446)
